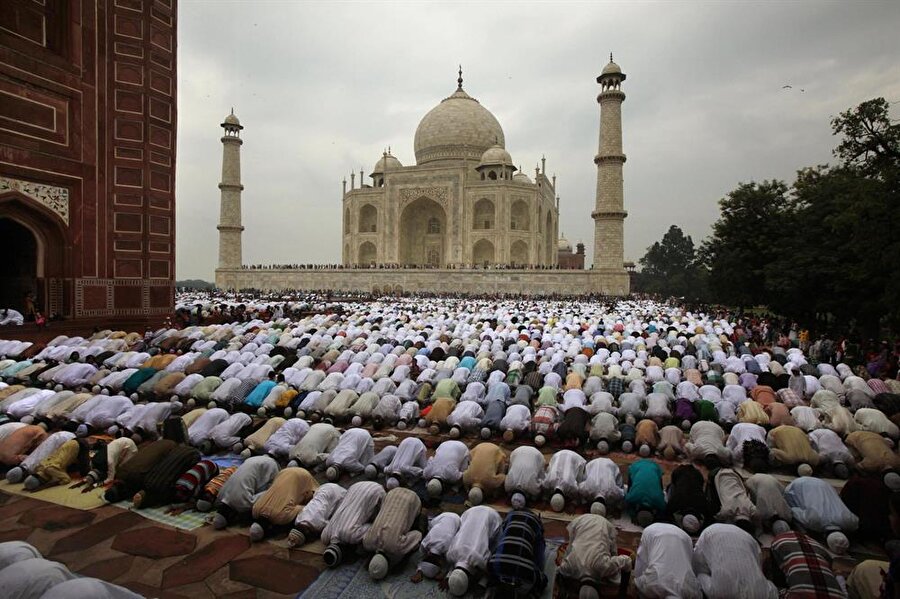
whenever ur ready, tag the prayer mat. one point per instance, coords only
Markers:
(60, 495)
(352, 581)
(187, 520)
(225, 460)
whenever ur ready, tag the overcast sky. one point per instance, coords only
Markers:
(321, 89)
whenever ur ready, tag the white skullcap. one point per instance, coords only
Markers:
(434, 487)
(378, 566)
(627, 446)
(644, 451)
(517, 501)
(332, 473)
(457, 583)
(588, 592)
(476, 496)
(838, 542)
(892, 481)
(486, 433)
(392, 483)
(540, 440)
(690, 524)
(557, 502)
(804, 470)
(603, 447)
(780, 526)
(598, 509)
(371, 471)
(356, 420)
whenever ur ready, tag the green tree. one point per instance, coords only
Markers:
(670, 266)
(744, 242)
(870, 141)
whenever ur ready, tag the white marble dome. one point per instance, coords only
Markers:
(386, 161)
(458, 128)
(496, 156)
(612, 69)
(563, 245)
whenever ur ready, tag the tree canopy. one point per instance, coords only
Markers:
(825, 248)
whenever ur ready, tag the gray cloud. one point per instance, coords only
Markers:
(323, 88)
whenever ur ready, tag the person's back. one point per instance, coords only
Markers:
(727, 564)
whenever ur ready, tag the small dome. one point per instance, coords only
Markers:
(386, 161)
(563, 245)
(612, 69)
(494, 156)
(232, 120)
(521, 177)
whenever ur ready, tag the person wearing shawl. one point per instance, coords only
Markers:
(281, 503)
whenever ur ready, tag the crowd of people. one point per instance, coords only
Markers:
(707, 432)
(398, 266)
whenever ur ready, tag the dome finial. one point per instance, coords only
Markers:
(460, 80)
(610, 57)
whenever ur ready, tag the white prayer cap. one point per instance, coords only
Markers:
(557, 502)
(780, 526)
(804, 470)
(457, 582)
(378, 566)
(540, 440)
(392, 483)
(644, 451)
(332, 473)
(892, 481)
(603, 447)
(518, 501)
(690, 524)
(434, 487)
(598, 508)
(476, 496)
(838, 542)
(588, 592)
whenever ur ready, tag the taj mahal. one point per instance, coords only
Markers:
(463, 219)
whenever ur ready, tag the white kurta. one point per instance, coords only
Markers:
(471, 547)
(564, 472)
(410, 459)
(526, 471)
(449, 462)
(316, 513)
(727, 563)
(353, 451)
(199, 431)
(286, 437)
(516, 419)
(602, 478)
(441, 531)
(662, 568)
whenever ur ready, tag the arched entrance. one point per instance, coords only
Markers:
(423, 230)
(19, 272)
(483, 253)
(34, 241)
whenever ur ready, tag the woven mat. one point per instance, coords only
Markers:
(60, 495)
(188, 520)
(352, 581)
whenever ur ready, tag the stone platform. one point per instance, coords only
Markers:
(466, 281)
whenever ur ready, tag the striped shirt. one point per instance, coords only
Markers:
(391, 532)
(350, 521)
(806, 566)
(189, 484)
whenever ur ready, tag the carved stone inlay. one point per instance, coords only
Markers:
(411, 194)
(54, 198)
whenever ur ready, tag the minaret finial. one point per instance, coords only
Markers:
(610, 57)
(460, 80)
(232, 110)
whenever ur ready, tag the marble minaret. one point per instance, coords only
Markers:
(609, 212)
(230, 227)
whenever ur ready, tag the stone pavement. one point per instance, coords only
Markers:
(154, 559)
